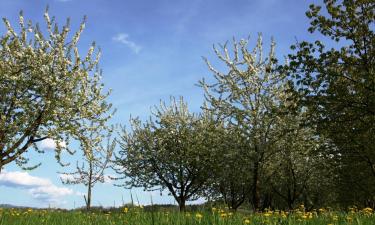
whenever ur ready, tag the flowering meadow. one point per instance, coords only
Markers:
(217, 216)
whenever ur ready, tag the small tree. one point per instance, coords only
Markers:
(47, 90)
(170, 151)
(96, 159)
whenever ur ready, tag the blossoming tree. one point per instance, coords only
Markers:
(47, 89)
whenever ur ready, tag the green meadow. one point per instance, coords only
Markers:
(139, 216)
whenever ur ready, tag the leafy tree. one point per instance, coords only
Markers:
(247, 97)
(96, 159)
(293, 168)
(47, 90)
(337, 86)
(230, 181)
(170, 151)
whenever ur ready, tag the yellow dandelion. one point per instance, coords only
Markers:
(367, 210)
(267, 214)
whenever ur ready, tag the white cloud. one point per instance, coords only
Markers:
(63, 0)
(50, 144)
(50, 194)
(39, 188)
(123, 38)
(22, 179)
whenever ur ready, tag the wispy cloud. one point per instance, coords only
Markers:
(39, 188)
(63, 0)
(123, 38)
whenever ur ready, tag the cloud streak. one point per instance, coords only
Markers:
(123, 38)
(39, 188)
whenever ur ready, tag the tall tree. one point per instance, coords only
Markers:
(96, 159)
(247, 97)
(47, 90)
(170, 151)
(337, 86)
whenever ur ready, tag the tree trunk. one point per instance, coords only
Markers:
(290, 199)
(236, 203)
(267, 201)
(182, 204)
(255, 192)
(237, 198)
(88, 200)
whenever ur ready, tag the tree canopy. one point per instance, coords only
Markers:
(337, 86)
(248, 96)
(47, 89)
(173, 151)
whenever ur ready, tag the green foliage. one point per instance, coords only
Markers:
(47, 89)
(337, 87)
(297, 172)
(230, 180)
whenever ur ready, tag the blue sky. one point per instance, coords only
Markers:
(151, 50)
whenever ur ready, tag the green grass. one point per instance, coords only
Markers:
(137, 216)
